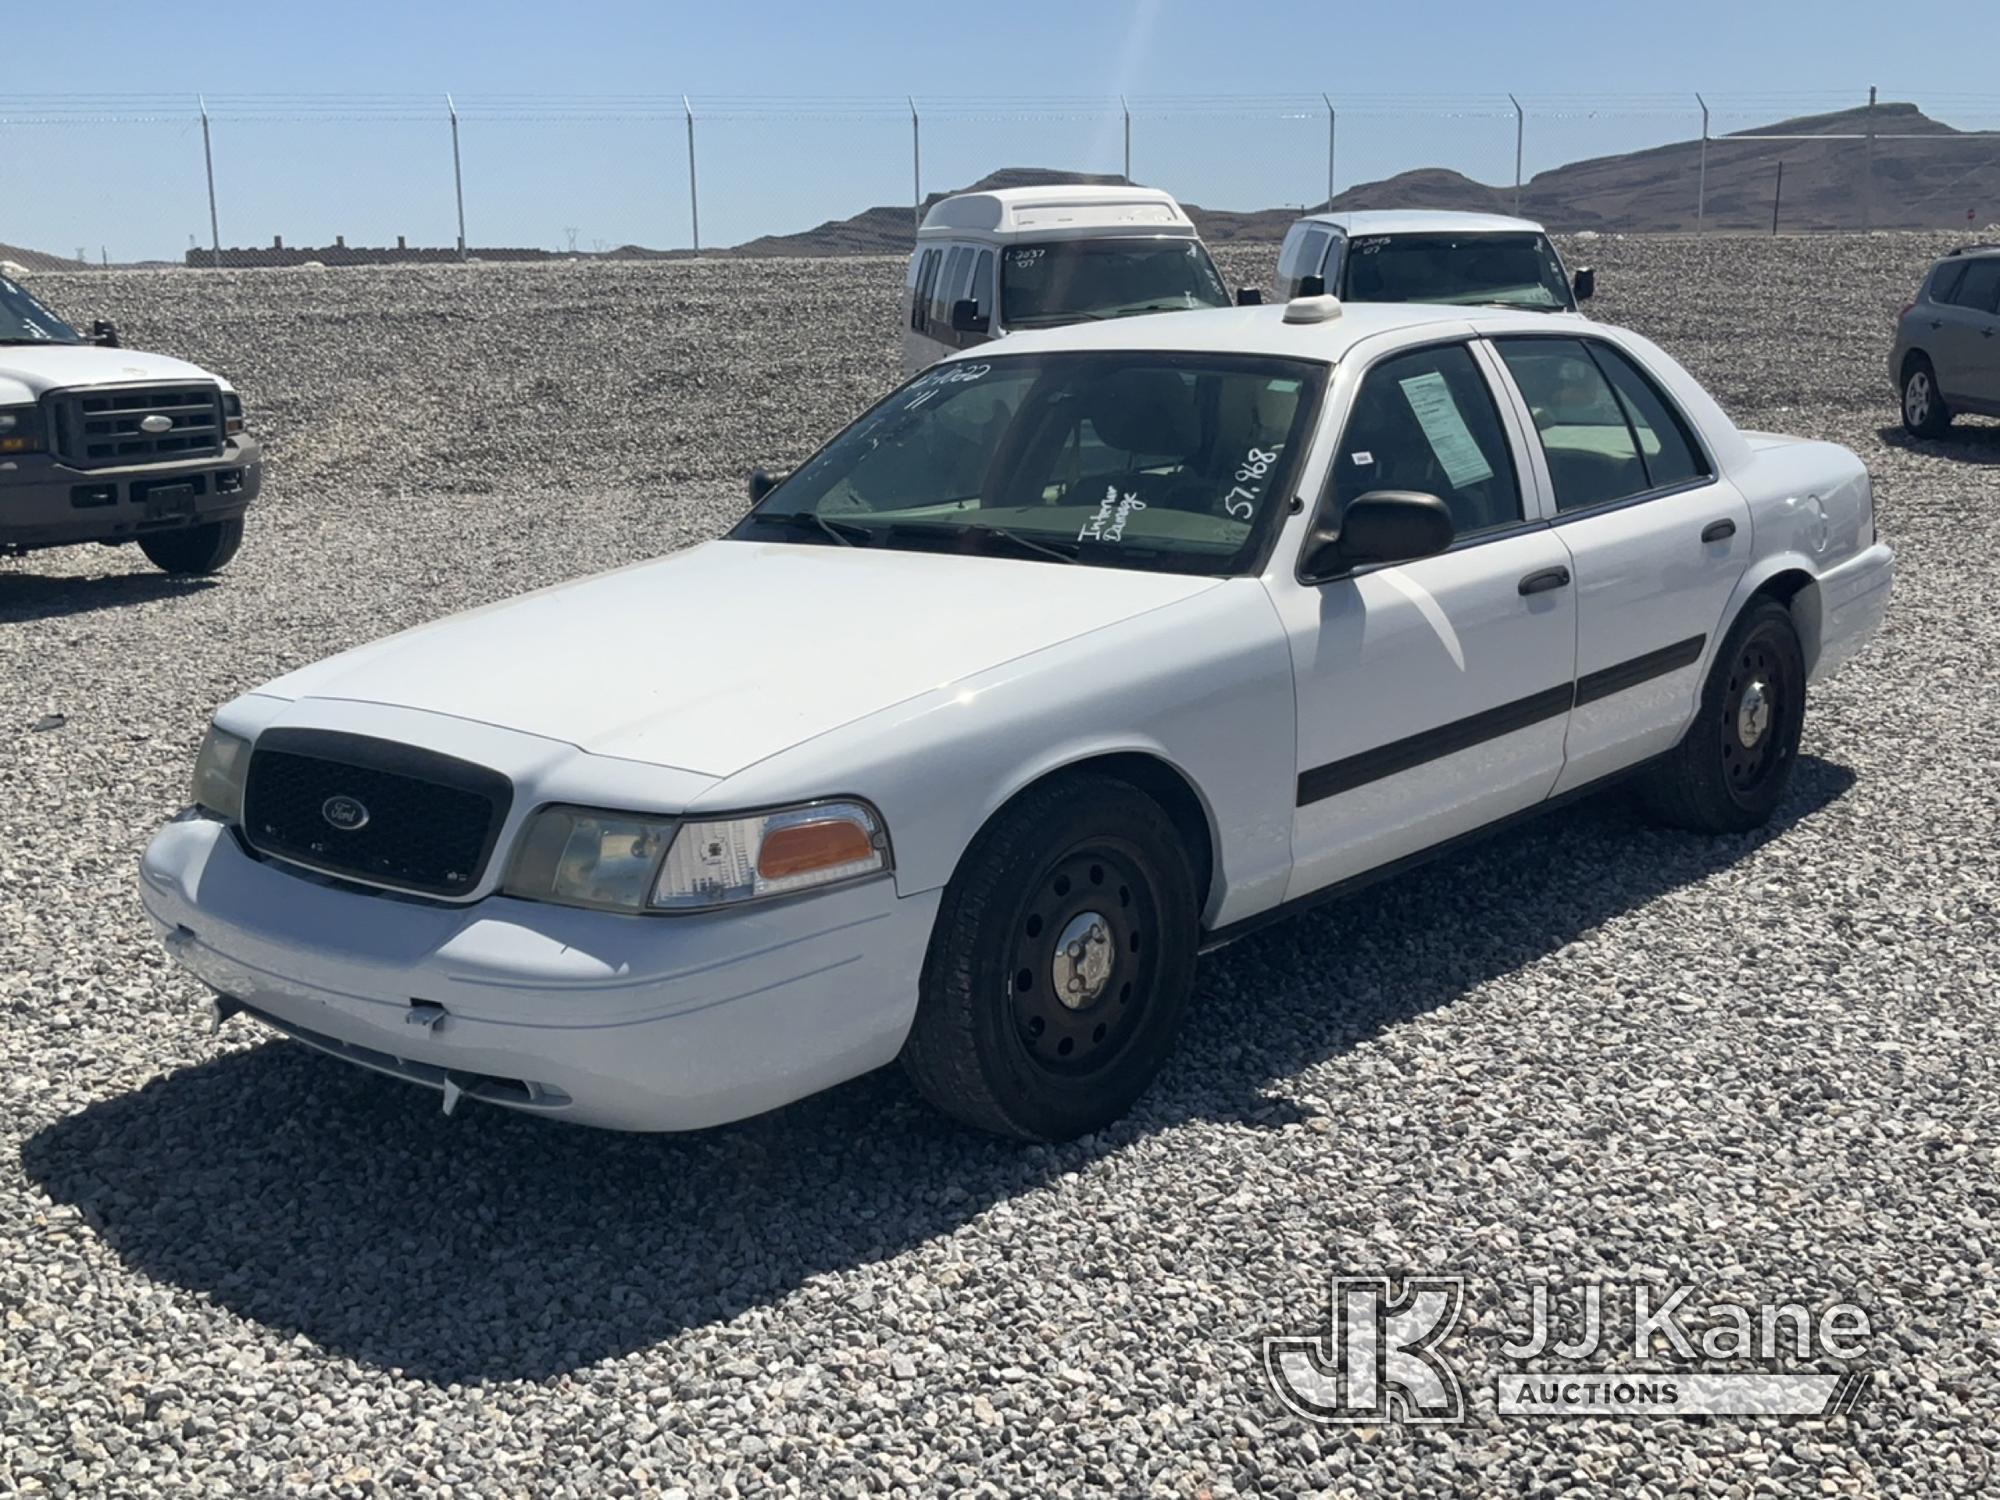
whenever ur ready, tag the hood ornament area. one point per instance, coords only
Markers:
(344, 813)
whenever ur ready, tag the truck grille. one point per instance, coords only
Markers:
(373, 810)
(107, 426)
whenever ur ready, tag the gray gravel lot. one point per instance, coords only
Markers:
(1588, 1050)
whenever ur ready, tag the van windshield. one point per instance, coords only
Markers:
(1067, 281)
(1521, 270)
(23, 320)
(1160, 461)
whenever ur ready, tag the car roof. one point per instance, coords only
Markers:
(1423, 221)
(1056, 209)
(1263, 330)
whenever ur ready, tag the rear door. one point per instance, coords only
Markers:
(1656, 538)
(1964, 337)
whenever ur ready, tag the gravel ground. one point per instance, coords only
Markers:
(1589, 1050)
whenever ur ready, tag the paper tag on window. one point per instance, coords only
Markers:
(1363, 458)
(1444, 425)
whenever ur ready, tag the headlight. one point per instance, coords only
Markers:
(232, 412)
(579, 856)
(20, 429)
(218, 774)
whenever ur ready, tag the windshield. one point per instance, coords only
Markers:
(23, 320)
(1518, 269)
(1069, 280)
(1166, 461)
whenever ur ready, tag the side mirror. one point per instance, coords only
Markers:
(760, 485)
(1584, 283)
(1311, 286)
(104, 332)
(1249, 296)
(1382, 526)
(967, 318)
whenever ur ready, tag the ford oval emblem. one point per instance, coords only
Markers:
(344, 813)
(156, 424)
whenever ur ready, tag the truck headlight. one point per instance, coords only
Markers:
(579, 856)
(218, 774)
(20, 429)
(232, 413)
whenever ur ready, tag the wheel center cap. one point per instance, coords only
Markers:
(1082, 964)
(1753, 714)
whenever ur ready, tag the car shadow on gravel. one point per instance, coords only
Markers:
(50, 596)
(1963, 444)
(324, 1201)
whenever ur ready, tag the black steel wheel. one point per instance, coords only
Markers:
(1730, 770)
(1061, 959)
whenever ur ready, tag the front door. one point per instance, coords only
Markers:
(1432, 695)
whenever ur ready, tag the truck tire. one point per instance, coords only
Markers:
(194, 550)
(1060, 963)
(1730, 770)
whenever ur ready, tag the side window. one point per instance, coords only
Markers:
(1945, 280)
(1979, 289)
(1593, 455)
(920, 301)
(952, 278)
(982, 285)
(1312, 251)
(1426, 421)
(1665, 444)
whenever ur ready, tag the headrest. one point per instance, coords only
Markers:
(1145, 411)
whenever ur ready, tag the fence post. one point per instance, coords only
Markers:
(1520, 133)
(457, 173)
(1778, 195)
(208, 160)
(694, 197)
(916, 165)
(1868, 168)
(1329, 151)
(1126, 110)
(1701, 173)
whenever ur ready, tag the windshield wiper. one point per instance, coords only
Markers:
(1060, 551)
(844, 532)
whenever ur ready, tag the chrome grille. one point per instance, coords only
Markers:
(108, 426)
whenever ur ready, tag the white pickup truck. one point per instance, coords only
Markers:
(104, 444)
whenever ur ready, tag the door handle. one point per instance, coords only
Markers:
(1986, 333)
(1936, 324)
(1718, 531)
(1542, 582)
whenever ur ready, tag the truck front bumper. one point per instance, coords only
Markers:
(630, 1022)
(45, 503)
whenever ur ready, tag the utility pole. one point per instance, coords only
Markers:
(1868, 168)
(1520, 134)
(694, 198)
(1126, 110)
(916, 165)
(208, 160)
(1329, 151)
(1778, 196)
(1701, 176)
(457, 173)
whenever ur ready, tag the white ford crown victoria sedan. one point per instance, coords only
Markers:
(1059, 666)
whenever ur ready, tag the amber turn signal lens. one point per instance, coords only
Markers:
(801, 848)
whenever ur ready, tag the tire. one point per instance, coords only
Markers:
(1924, 412)
(1092, 859)
(194, 550)
(1731, 768)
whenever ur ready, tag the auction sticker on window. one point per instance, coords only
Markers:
(1444, 425)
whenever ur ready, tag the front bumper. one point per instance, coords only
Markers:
(44, 503)
(633, 1023)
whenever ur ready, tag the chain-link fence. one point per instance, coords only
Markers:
(274, 180)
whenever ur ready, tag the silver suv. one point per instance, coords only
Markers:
(1946, 359)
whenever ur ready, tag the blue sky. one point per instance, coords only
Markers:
(331, 120)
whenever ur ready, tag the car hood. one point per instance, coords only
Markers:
(27, 370)
(714, 658)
